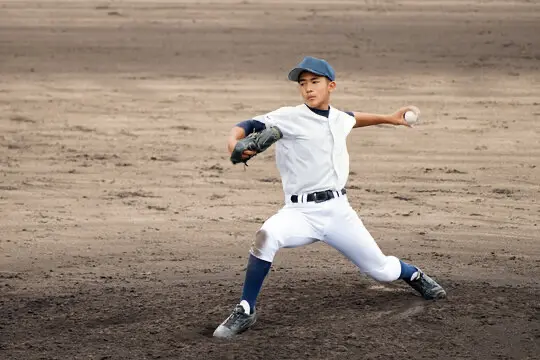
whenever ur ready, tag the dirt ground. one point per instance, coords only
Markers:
(124, 228)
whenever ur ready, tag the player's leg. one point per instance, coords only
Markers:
(288, 228)
(273, 235)
(347, 234)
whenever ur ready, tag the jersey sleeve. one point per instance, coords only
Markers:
(279, 118)
(350, 121)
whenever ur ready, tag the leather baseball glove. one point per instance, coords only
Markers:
(257, 142)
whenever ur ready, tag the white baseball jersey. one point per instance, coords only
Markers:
(312, 155)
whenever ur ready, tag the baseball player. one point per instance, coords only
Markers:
(313, 162)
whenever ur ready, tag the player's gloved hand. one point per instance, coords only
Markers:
(398, 117)
(254, 143)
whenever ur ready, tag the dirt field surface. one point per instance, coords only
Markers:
(125, 229)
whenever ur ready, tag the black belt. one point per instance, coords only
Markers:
(319, 196)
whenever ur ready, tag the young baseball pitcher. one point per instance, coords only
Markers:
(312, 159)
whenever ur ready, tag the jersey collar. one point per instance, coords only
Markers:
(323, 113)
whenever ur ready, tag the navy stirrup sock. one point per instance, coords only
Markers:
(257, 270)
(407, 271)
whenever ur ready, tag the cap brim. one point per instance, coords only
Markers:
(294, 74)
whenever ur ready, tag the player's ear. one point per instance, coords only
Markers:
(332, 86)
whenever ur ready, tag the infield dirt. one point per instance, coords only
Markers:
(125, 229)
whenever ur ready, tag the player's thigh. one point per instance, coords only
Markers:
(348, 235)
(288, 228)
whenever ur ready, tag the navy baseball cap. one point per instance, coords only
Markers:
(313, 65)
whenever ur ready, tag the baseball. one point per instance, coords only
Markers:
(411, 117)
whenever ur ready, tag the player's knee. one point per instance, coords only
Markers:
(263, 247)
(388, 272)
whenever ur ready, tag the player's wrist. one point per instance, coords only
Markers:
(236, 134)
(231, 144)
(387, 119)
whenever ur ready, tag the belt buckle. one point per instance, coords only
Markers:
(321, 196)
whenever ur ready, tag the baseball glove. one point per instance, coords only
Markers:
(257, 142)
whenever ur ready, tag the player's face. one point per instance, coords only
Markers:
(316, 90)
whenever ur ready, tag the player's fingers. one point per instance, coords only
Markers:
(399, 119)
(248, 153)
(404, 123)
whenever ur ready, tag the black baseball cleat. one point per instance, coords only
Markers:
(426, 286)
(236, 323)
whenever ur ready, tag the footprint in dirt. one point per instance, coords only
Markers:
(400, 313)
(409, 311)
(401, 310)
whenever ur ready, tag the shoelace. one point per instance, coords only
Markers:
(237, 312)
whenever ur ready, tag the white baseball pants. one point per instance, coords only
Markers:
(334, 222)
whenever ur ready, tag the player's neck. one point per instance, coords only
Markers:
(322, 107)
(319, 111)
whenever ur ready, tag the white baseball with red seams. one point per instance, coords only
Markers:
(411, 116)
